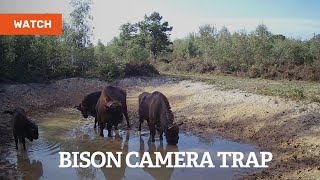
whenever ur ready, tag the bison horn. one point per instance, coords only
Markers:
(180, 124)
(77, 106)
(110, 104)
(171, 126)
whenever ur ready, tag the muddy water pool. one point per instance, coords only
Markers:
(66, 130)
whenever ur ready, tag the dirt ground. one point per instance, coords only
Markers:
(288, 129)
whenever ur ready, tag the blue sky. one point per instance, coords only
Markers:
(255, 8)
(292, 18)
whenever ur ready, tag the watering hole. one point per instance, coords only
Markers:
(66, 130)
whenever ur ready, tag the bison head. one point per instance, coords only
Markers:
(114, 110)
(83, 111)
(172, 134)
(32, 132)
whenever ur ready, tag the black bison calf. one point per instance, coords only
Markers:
(156, 110)
(23, 127)
(88, 106)
(110, 108)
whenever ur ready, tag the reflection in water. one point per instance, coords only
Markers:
(24, 164)
(67, 131)
(157, 173)
(118, 173)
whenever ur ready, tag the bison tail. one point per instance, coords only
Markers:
(8, 112)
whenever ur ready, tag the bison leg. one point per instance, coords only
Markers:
(102, 125)
(16, 141)
(160, 132)
(109, 127)
(95, 123)
(125, 112)
(140, 122)
(24, 143)
(152, 131)
(127, 118)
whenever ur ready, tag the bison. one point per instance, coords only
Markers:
(156, 110)
(110, 108)
(23, 127)
(88, 106)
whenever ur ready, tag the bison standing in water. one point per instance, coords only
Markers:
(110, 108)
(23, 127)
(156, 110)
(88, 106)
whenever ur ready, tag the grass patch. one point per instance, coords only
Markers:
(290, 93)
(293, 90)
(315, 98)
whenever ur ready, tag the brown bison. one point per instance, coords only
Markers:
(110, 108)
(156, 110)
(88, 106)
(23, 127)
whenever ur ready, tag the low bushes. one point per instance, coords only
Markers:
(114, 70)
(288, 71)
(140, 69)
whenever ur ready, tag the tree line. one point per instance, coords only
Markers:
(37, 58)
(256, 54)
(146, 44)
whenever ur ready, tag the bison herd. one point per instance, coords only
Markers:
(108, 108)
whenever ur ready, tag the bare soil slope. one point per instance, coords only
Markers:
(288, 129)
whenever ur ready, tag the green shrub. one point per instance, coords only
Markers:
(138, 54)
(111, 71)
(140, 69)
